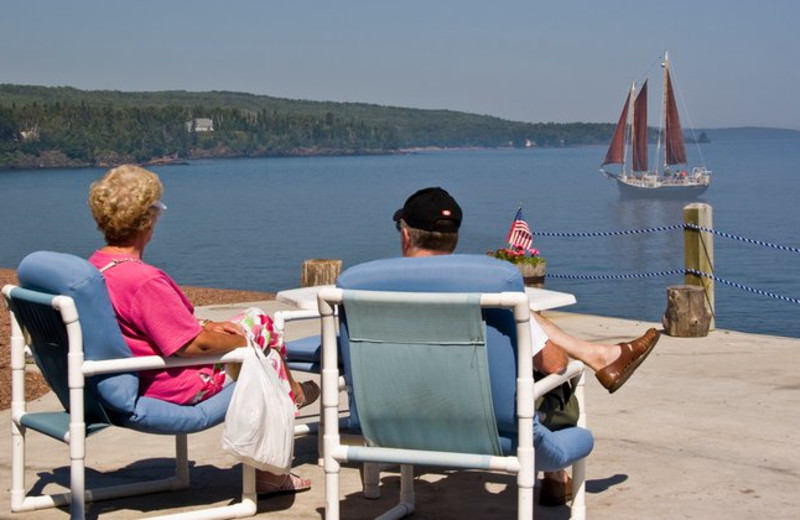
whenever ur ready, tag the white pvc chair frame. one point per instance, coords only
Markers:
(522, 464)
(79, 369)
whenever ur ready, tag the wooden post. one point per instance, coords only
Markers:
(699, 252)
(687, 315)
(317, 271)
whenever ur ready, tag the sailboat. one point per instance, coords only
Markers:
(628, 148)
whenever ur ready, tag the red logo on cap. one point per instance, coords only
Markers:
(446, 212)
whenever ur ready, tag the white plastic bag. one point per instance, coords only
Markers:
(259, 424)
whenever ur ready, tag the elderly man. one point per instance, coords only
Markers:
(428, 223)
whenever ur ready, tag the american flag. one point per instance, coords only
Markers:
(520, 234)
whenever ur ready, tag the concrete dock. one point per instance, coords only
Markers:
(706, 428)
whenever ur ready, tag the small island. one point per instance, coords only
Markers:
(701, 139)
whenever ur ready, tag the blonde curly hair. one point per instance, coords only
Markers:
(123, 203)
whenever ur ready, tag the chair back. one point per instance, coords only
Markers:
(68, 275)
(115, 396)
(451, 273)
(419, 371)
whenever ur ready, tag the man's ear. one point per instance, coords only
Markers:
(404, 239)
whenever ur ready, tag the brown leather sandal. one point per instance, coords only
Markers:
(311, 393)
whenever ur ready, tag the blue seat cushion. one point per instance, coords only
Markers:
(304, 350)
(157, 416)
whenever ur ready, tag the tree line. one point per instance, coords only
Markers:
(63, 126)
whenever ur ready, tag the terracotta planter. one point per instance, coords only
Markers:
(533, 275)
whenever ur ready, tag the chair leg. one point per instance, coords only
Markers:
(372, 480)
(407, 497)
(331, 489)
(182, 461)
(578, 507)
(17, 466)
(17, 410)
(406, 505)
(77, 478)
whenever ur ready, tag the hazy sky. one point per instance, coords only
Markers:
(736, 61)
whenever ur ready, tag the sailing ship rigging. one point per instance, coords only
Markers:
(629, 149)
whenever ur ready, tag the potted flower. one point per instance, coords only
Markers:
(530, 264)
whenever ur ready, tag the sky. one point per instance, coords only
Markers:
(735, 62)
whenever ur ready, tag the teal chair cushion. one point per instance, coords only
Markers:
(454, 273)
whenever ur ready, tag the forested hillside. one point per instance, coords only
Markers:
(64, 126)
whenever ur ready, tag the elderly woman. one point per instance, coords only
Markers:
(156, 318)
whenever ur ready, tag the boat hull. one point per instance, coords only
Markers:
(661, 189)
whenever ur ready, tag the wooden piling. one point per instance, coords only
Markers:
(699, 252)
(319, 271)
(687, 315)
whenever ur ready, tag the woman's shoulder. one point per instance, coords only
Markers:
(118, 265)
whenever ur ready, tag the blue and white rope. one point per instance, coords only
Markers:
(743, 287)
(626, 276)
(743, 239)
(609, 233)
(631, 276)
(660, 229)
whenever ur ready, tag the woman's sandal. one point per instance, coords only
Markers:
(311, 393)
(290, 484)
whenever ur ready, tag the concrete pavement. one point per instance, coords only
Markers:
(706, 428)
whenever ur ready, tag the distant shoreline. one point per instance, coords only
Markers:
(59, 161)
(52, 163)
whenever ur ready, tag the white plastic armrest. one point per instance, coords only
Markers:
(134, 364)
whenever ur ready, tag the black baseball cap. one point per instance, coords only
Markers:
(431, 209)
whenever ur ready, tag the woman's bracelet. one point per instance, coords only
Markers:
(204, 322)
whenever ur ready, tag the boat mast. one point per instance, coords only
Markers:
(629, 141)
(666, 108)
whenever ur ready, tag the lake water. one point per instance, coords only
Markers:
(250, 223)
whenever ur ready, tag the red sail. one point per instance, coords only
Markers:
(616, 150)
(673, 135)
(639, 142)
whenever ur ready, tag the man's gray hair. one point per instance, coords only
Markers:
(431, 240)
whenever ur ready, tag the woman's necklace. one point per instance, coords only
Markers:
(117, 250)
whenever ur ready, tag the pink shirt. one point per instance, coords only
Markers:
(155, 318)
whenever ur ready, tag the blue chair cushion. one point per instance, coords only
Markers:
(69, 275)
(118, 394)
(157, 416)
(302, 350)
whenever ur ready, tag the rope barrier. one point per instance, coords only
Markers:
(632, 276)
(623, 276)
(743, 287)
(609, 233)
(674, 227)
(661, 229)
(743, 239)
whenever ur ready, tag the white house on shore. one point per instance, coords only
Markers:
(200, 124)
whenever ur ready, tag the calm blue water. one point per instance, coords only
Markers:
(249, 224)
